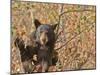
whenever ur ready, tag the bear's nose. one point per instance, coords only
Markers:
(43, 38)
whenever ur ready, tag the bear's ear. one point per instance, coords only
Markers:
(54, 26)
(37, 23)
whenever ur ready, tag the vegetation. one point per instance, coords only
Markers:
(76, 32)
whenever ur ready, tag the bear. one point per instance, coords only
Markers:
(44, 38)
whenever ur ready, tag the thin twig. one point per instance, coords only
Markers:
(69, 11)
(74, 37)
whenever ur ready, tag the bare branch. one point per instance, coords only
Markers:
(75, 37)
(69, 11)
(61, 10)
